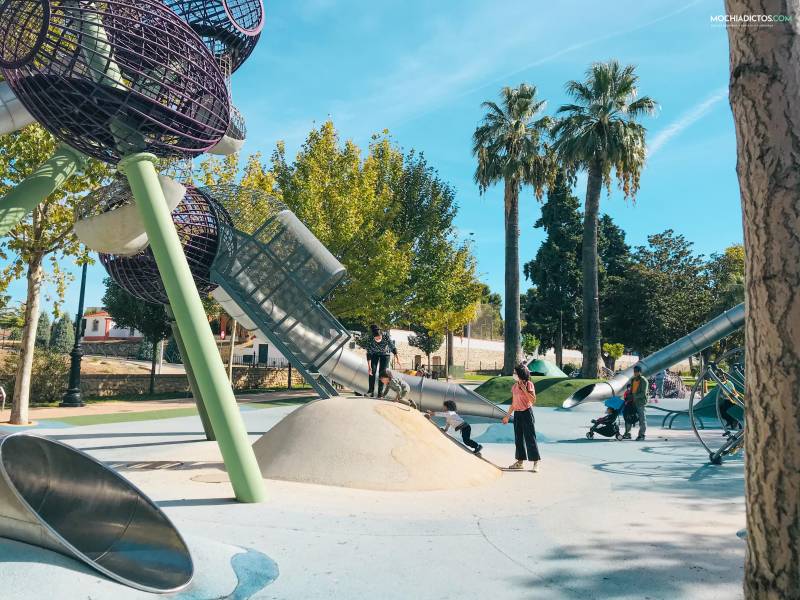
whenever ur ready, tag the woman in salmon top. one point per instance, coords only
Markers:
(523, 397)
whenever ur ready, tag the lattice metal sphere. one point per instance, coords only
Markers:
(115, 77)
(198, 219)
(230, 28)
(23, 26)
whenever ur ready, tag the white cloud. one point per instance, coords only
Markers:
(685, 121)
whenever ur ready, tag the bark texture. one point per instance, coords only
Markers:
(22, 381)
(591, 287)
(512, 354)
(765, 98)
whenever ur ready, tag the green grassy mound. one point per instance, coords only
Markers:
(550, 391)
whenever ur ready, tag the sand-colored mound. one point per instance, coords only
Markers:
(368, 444)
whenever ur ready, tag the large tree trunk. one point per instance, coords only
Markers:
(22, 382)
(764, 93)
(591, 290)
(512, 354)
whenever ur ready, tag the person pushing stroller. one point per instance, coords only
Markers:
(635, 402)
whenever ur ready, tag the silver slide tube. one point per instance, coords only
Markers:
(350, 370)
(13, 115)
(59, 498)
(701, 338)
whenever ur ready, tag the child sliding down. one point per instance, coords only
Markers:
(451, 417)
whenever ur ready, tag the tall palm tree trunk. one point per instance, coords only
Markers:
(764, 89)
(22, 381)
(591, 288)
(512, 354)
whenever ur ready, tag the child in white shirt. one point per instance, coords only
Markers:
(452, 418)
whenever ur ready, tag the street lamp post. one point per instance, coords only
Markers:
(72, 397)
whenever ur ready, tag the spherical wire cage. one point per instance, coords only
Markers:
(22, 31)
(115, 77)
(229, 28)
(198, 219)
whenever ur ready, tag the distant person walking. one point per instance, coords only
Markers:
(523, 397)
(639, 385)
(380, 348)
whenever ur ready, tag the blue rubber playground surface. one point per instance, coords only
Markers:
(602, 519)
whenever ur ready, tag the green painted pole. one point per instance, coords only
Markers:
(198, 399)
(37, 186)
(201, 349)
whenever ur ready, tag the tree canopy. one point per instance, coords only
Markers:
(663, 295)
(554, 301)
(385, 214)
(130, 312)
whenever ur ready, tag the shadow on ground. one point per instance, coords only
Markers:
(690, 566)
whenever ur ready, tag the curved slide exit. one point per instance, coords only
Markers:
(701, 338)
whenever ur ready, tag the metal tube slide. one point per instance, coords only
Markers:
(13, 115)
(701, 338)
(350, 370)
(54, 496)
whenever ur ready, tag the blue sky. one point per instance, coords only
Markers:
(422, 68)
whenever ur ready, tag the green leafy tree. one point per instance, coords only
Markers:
(387, 216)
(43, 330)
(599, 133)
(130, 312)
(611, 353)
(665, 292)
(726, 282)
(62, 335)
(49, 370)
(426, 340)
(12, 317)
(530, 344)
(44, 238)
(552, 306)
(509, 147)
(615, 257)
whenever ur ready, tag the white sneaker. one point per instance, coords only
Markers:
(516, 465)
(536, 466)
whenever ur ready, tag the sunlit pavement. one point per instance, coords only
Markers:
(603, 519)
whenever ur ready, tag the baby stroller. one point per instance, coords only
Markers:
(608, 425)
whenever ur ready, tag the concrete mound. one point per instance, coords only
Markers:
(367, 444)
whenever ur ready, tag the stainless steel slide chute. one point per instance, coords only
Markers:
(272, 281)
(56, 497)
(701, 338)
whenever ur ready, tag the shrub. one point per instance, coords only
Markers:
(570, 368)
(62, 335)
(49, 375)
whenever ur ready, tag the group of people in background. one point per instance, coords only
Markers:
(381, 349)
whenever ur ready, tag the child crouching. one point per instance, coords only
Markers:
(398, 385)
(451, 417)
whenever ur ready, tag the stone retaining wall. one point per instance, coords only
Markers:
(95, 385)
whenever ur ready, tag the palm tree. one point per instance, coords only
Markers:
(599, 133)
(509, 145)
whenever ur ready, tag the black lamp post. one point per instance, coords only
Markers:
(72, 397)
